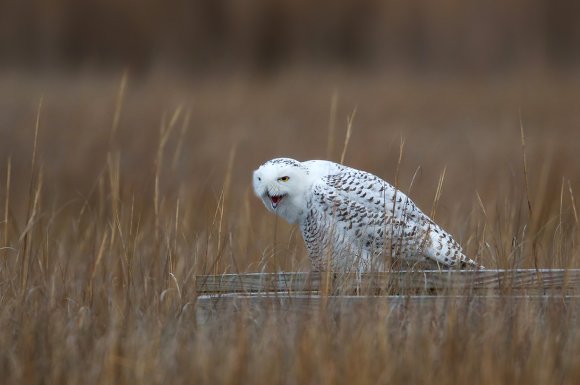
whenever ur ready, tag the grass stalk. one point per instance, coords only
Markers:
(573, 201)
(332, 126)
(33, 200)
(118, 108)
(438, 193)
(349, 122)
(164, 135)
(7, 210)
(525, 164)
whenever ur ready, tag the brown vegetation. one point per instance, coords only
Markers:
(118, 191)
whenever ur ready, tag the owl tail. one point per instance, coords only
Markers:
(468, 263)
(441, 247)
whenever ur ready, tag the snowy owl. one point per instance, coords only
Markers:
(352, 220)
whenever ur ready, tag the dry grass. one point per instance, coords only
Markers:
(117, 193)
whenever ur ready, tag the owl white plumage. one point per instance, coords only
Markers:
(353, 220)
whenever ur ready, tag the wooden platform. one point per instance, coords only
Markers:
(291, 295)
(425, 282)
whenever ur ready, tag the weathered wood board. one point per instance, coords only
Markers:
(483, 282)
(290, 308)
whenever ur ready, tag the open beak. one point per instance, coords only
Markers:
(276, 199)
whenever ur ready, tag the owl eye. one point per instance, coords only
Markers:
(284, 179)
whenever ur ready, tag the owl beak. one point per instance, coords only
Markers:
(276, 199)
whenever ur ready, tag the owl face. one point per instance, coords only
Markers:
(281, 184)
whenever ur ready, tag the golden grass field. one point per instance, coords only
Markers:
(118, 189)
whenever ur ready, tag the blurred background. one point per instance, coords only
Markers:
(233, 83)
(263, 36)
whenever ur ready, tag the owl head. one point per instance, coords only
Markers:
(281, 184)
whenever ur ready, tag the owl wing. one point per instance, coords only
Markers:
(367, 213)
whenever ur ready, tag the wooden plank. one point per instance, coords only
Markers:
(257, 306)
(395, 282)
